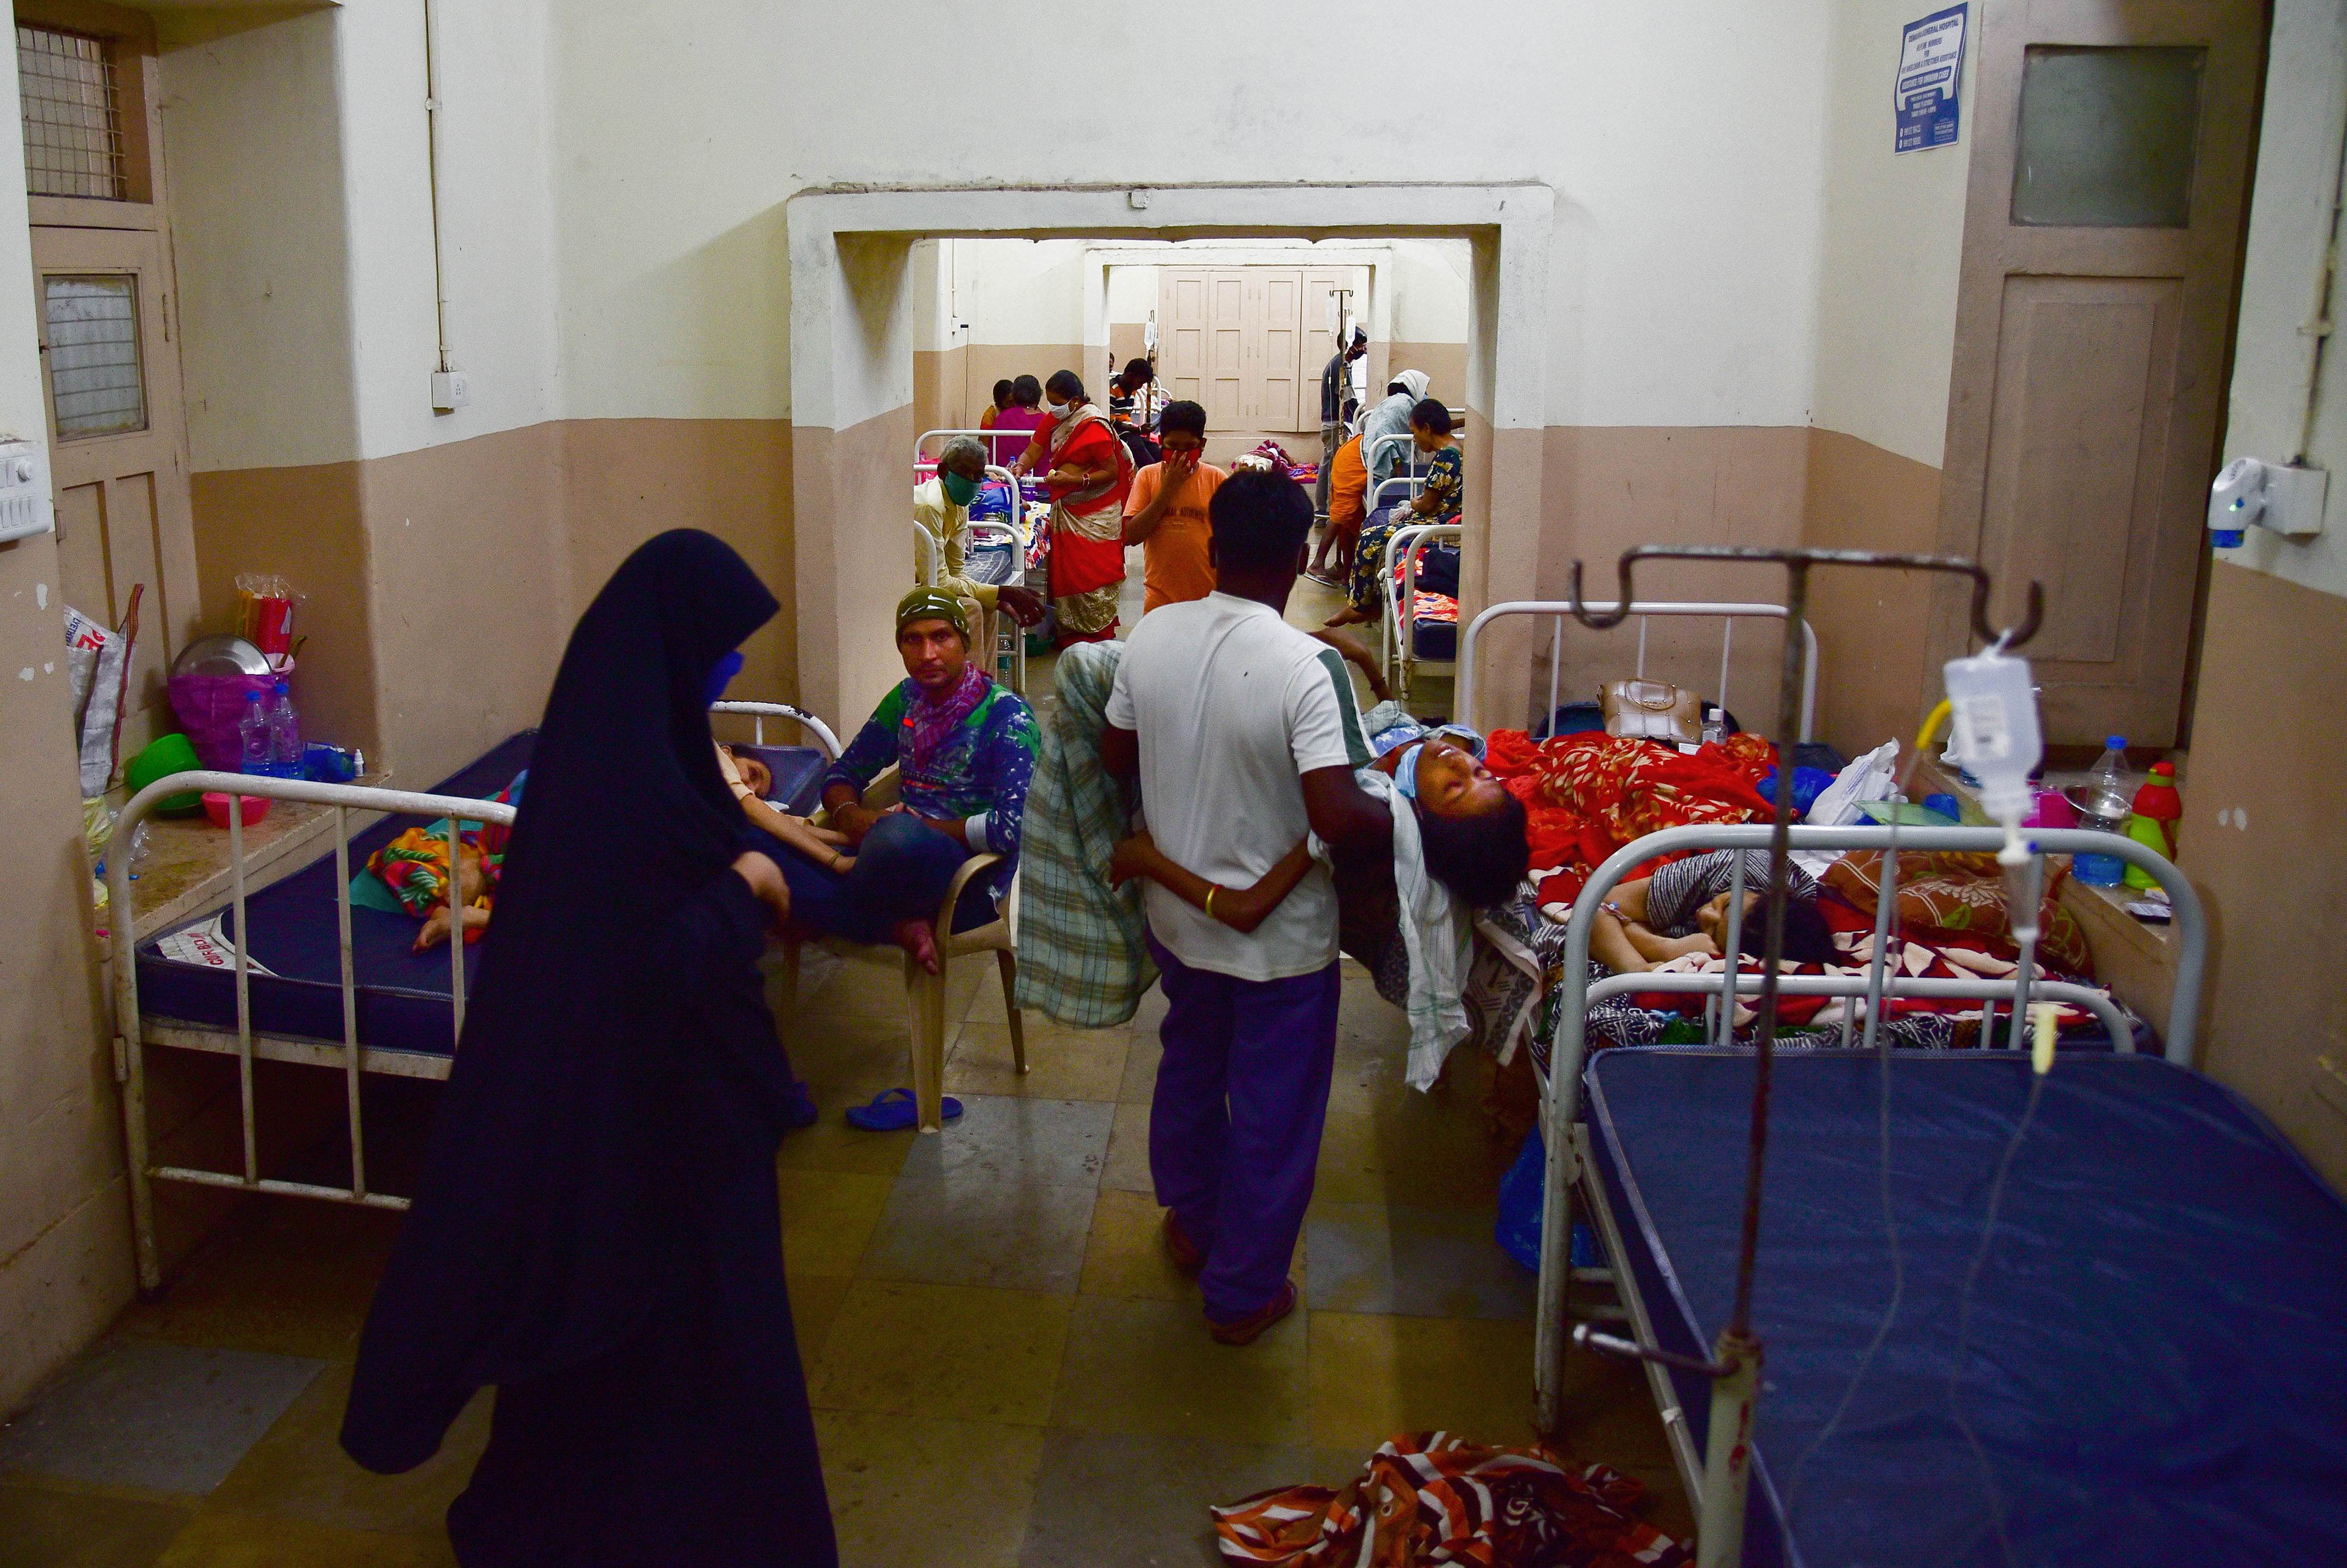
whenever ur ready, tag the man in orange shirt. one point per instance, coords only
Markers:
(1167, 513)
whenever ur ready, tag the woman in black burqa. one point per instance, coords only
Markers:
(597, 1232)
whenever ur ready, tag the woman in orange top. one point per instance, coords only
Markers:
(1348, 490)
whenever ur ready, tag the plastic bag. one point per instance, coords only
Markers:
(96, 658)
(1517, 1229)
(264, 612)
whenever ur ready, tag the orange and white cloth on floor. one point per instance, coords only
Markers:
(1425, 1499)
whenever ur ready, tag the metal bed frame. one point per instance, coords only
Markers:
(1010, 639)
(134, 1033)
(1569, 1163)
(1560, 611)
(1398, 640)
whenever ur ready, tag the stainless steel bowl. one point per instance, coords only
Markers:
(220, 656)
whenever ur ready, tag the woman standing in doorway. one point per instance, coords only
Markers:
(1088, 472)
(598, 1233)
(1016, 422)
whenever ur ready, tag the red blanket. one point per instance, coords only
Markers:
(1588, 795)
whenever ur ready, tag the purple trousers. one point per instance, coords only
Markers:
(1235, 1127)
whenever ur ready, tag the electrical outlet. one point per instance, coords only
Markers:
(25, 490)
(2294, 498)
(451, 390)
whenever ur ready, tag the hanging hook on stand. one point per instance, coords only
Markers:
(1799, 561)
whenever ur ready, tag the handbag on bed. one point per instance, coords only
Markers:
(1652, 710)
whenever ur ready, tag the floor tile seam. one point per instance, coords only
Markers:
(56, 1485)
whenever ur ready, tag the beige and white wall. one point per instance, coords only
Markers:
(2265, 826)
(65, 1263)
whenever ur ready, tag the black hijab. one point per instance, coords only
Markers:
(533, 1240)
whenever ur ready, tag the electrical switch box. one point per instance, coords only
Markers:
(451, 390)
(25, 506)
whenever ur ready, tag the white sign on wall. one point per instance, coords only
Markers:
(1930, 73)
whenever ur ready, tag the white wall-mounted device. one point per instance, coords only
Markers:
(25, 506)
(2286, 498)
(451, 390)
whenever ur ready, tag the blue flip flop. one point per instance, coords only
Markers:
(894, 1111)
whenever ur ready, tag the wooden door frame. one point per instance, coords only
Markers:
(2228, 134)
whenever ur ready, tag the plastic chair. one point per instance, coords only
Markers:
(924, 993)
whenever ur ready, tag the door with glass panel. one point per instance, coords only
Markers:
(2109, 166)
(110, 354)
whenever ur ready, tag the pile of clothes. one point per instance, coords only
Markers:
(1431, 1498)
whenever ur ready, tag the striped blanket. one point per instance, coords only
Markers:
(1428, 1499)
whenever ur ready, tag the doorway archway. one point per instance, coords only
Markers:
(852, 378)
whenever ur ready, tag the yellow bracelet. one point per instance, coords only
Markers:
(1210, 891)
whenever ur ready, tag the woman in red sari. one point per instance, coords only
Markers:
(1088, 471)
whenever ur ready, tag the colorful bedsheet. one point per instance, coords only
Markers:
(1585, 795)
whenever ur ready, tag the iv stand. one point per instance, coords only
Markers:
(1736, 1357)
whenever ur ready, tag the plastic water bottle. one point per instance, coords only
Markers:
(256, 743)
(1714, 726)
(284, 735)
(2109, 800)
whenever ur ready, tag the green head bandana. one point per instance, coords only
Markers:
(932, 604)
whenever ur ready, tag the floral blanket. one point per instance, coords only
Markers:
(1585, 795)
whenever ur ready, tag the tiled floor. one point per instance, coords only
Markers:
(992, 1334)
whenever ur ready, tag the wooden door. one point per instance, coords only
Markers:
(1182, 335)
(1278, 347)
(2109, 163)
(110, 369)
(1234, 340)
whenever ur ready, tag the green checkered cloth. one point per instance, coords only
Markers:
(1082, 956)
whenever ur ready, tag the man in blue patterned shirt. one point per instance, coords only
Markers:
(964, 749)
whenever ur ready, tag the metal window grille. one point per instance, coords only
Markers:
(94, 370)
(72, 119)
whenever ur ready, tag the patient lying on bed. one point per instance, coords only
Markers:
(1471, 828)
(1682, 909)
(410, 874)
(751, 781)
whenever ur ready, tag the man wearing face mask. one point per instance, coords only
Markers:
(941, 506)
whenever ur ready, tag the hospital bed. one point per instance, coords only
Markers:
(2154, 1332)
(2148, 1372)
(1409, 640)
(294, 972)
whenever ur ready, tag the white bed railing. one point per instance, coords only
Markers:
(249, 1045)
(1559, 613)
(1561, 1110)
(1399, 641)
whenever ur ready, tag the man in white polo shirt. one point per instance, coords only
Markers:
(1243, 733)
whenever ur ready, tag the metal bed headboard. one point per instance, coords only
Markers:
(1562, 1100)
(130, 1034)
(1398, 643)
(1559, 611)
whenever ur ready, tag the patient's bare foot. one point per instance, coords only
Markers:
(916, 938)
(1351, 616)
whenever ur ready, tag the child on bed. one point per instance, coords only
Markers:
(750, 779)
(1471, 828)
(410, 874)
(1682, 909)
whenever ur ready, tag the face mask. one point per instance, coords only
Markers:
(1406, 770)
(958, 490)
(721, 673)
(1058, 410)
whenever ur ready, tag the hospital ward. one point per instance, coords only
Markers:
(1557, 785)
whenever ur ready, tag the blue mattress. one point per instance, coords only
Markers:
(2157, 1363)
(1437, 639)
(403, 996)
